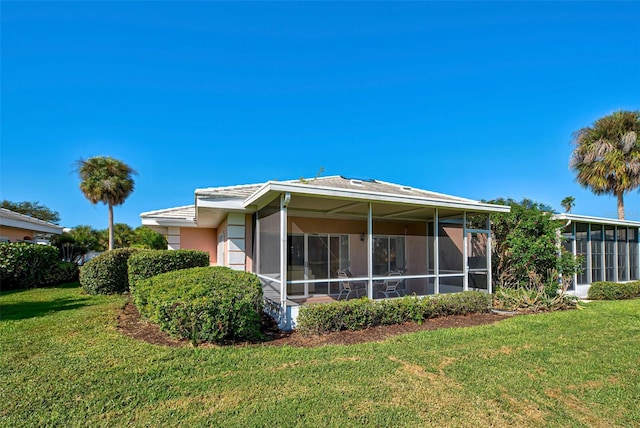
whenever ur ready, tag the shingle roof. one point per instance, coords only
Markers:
(185, 212)
(334, 181)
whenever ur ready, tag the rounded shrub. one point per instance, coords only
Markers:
(212, 304)
(147, 263)
(107, 273)
(359, 314)
(606, 290)
(25, 265)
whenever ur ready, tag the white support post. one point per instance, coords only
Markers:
(436, 253)
(284, 201)
(489, 251)
(370, 252)
(465, 253)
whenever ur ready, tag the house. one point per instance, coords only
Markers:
(336, 237)
(16, 227)
(609, 249)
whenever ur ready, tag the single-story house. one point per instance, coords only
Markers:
(335, 237)
(609, 249)
(329, 238)
(16, 227)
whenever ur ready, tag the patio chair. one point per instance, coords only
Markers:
(391, 285)
(348, 286)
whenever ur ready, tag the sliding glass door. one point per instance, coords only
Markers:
(312, 258)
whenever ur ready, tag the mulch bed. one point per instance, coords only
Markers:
(133, 325)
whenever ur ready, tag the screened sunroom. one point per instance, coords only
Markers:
(354, 238)
(608, 248)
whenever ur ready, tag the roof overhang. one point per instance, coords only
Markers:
(30, 225)
(596, 220)
(267, 193)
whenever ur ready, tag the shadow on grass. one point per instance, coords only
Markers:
(25, 310)
(68, 285)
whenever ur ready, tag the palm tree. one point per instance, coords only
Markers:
(606, 156)
(107, 180)
(568, 203)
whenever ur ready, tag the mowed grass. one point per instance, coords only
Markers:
(63, 363)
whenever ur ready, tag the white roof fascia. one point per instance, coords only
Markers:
(370, 196)
(150, 221)
(30, 225)
(597, 220)
(235, 204)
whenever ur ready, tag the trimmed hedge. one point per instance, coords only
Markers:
(359, 314)
(25, 265)
(148, 263)
(107, 273)
(605, 290)
(212, 304)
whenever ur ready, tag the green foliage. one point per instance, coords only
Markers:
(604, 290)
(107, 273)
(359, 314)
(32, 209)
(532, 300)
(145, 264)
(525, 244)
(212, 304)
(24, 265)
(143, 237)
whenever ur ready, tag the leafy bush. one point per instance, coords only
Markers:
(107, 273)
(604, 290)
(358, 314)
(532, 300)
(145, 264)
(24, 265)
(212, 304)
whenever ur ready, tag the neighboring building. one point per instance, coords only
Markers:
(16, 227)
(609, 249)
(312, 240)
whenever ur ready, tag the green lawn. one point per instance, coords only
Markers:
(63, 363)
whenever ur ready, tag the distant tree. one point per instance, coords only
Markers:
(123, 235)
(77, 242)
(606, 157)
(568, 203)
(144, 237)
(32, 209)
(107, 180)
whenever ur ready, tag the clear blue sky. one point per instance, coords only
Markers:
(472, 99)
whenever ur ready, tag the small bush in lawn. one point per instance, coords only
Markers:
(107, 273)
(532, 300)
(604, 290)
(147, 263)
(359, 314)
(212, 304)
(24, 265)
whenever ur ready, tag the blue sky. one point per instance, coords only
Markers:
(472, 99)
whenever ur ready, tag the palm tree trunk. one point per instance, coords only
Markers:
(620, 205)
(110, 227)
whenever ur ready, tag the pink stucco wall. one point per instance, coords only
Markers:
(204, 239)
(15, 234)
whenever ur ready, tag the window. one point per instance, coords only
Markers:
(388, 254)
(634, 273)
(596, 252)
(582, 243)
(623, 254)
(610, 252)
